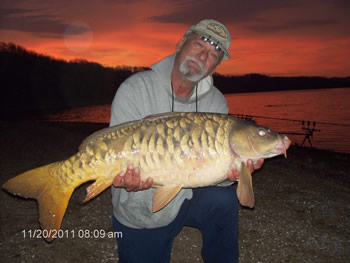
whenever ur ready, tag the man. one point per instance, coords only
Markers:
(180, 82)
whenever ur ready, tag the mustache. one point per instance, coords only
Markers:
(201, 65)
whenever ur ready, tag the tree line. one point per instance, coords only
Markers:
(32, 82)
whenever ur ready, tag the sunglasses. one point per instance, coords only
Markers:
(212, 42)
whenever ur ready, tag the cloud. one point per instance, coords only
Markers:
(342, 3)
(290, 25)
(35, 22)
(263, 16)
(226, 11)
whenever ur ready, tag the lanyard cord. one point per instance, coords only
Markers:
(173, 98)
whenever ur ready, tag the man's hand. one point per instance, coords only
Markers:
(130, 180)
(233, 174)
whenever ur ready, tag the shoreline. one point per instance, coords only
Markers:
(301, 213)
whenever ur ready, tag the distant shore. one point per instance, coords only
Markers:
(301, 214)
(54, 84)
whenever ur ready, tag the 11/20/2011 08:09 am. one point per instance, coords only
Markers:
(80, 233)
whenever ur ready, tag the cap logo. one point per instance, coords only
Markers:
(217, 29)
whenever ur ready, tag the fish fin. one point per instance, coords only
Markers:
(161, 115)
(97, 187)
(52, 198)
(245, 187)
(163, 195)
(102, 133)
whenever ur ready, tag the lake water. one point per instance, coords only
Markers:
(325, 113)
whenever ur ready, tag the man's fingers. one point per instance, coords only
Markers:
(147, 184)
(119, 180)
(131, 180)
(253, 166)
(250, 165)
(230, 175)
(135, 179)
(128, 179)
(259, 163)
(233, 174)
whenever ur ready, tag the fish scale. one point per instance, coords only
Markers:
(182, 146)
(176, 150)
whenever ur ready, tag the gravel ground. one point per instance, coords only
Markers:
(302, 211)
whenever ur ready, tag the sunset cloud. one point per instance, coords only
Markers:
(290, 37)
(38, 23)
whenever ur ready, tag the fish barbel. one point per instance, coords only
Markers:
(177, 150)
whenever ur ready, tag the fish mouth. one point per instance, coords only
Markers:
(283, 145)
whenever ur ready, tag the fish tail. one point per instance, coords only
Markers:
(52, 197)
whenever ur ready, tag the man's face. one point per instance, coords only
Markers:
(197, 59)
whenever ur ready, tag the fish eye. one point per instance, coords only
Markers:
(261, 132)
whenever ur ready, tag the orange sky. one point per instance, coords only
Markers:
(274, 37)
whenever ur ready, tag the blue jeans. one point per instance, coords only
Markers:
(213, 210)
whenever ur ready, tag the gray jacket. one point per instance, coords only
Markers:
(146, 93)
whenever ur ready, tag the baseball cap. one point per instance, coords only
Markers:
(213, 31)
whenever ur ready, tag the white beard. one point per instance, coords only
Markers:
(194, 77)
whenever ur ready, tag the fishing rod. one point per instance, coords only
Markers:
(309, 131)
(249, 117)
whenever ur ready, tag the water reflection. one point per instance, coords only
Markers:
(96, 113)
(328, 112)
